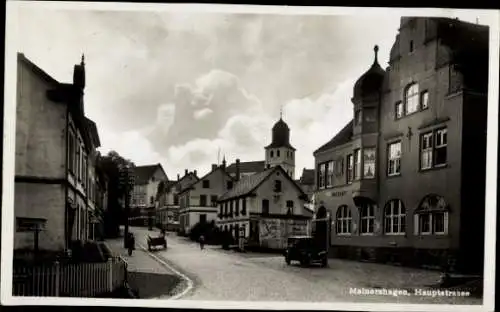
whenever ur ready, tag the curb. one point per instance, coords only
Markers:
(184, 277)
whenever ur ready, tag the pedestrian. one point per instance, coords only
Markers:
(131, 243)
(202, 241)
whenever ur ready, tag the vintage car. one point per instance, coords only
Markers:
(153, 242)
(305, 250)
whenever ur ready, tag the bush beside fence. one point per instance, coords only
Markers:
(69, 279)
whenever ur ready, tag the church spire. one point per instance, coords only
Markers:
(375, 49)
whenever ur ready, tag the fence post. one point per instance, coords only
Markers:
(56, 267)
(110, 275)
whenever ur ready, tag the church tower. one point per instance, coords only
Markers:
(280, 151)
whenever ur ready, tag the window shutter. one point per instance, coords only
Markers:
(446, 223)
(415, 224)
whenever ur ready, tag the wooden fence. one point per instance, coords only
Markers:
(70, 279)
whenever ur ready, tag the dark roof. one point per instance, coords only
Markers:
(248, 184)
(342, 137)
(247, 166)
(144, 173)
(307, 177)
(371, 81)
(93, 132)
(183, 186)
(280, 135)
(191, 185)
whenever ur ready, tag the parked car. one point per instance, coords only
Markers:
(305, 250)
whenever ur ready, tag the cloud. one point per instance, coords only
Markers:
(202, 113)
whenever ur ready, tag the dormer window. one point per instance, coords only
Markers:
(272, 153)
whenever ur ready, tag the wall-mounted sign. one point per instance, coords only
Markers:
(338, 194)
(30, 224)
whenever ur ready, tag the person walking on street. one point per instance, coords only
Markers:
(202, 242)
(131, 243)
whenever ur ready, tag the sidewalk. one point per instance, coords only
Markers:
(147, 277)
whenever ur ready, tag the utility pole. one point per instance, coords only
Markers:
(128, 181)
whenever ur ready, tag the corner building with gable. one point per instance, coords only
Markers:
(404, 181)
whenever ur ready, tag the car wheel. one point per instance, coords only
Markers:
(324, 262)
(304, 262)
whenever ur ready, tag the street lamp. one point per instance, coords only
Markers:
(127, 179)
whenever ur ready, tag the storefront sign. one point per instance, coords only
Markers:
(338, 194)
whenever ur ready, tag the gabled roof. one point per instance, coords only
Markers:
(342, 137)
(307, 177)
(247, 166)
(181, 180)
(144, 173)
(93, 132)
(191, 185)
(40, 72)
(248, 184)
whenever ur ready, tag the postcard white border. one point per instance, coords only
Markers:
(9, 155)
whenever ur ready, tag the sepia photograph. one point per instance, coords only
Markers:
(249, 157)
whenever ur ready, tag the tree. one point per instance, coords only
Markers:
(113, 165)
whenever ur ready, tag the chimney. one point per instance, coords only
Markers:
(79, 74)
(237, 169)
(214, 167)
(178, 177)
(186, 172)
(195, 173)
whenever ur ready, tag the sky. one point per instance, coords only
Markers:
(184, 89)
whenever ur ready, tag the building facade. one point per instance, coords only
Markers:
(167, 213)
(269, 199)
(198, 201)
(397, 180)
(143, 198)
(53, 142)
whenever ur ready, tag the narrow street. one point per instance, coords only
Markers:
(226, 275)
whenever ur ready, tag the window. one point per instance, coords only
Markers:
(399, 110)
(226, 209)
(206, 184)
(321, 175)
(203, 218)
(411, 46)
(229, 185)
(231, 203)
(71, 152)
(277, 186)
(151, 200)
(367, 218)
(369, 163)
(431, 217)
(289, 207)
(370, 114)
(78, 162)
(344, 220)
(265, 206)
(278, 153)
(395, 217)
(424, 100)
(213, 199)
(84, 170)
(357, 164)
(357, 117)
(329, 175)
(394, 159)
(237, 207)
(411, 99)
(339, 167)
(272, 153)
(203, 200)
(243, 206)
(433, 149)
(176, 199)
(350, 168)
